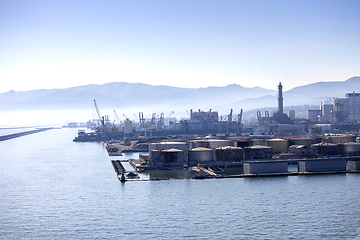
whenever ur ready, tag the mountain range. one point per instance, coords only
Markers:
(137, 97)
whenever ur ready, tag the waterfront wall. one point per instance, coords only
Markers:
(329, 165)
(265, 167)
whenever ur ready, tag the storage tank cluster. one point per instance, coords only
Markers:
(198, 151)
(206, 151)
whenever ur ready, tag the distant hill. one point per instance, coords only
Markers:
(312, 94)
(124, 95)
(143, 97)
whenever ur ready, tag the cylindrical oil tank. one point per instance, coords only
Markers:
(197, 143)
(257, 152)
(168, 145)
(201, 155)
(229, 154)
(243, 143)
(351, 148)
(258, 141)
(325, 149)
(128, 129)
(342, 139)
(171, 156)
(302, 141)
(277, 144)
(215, 143)
(154, 156)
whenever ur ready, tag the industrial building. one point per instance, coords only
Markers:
(341, 110)
(346, 109)
(279, 123)
(263, 167)
(323, 165)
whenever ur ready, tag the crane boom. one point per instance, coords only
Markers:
(117, 117)
(98, 113)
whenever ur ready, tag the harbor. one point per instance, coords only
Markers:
(206, 145)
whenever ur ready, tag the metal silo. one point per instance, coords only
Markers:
(168, 145)
(258, 152)
(325, 149)
(201, 155)
(258, 141)
(215, 143)
(342, 139)
(351, 148)
(154, 156)
(229, 154)
(277, 144)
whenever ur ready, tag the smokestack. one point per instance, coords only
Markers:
(280, 100)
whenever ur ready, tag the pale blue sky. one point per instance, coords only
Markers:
(184, 43)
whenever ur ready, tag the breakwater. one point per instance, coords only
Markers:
(15, 135)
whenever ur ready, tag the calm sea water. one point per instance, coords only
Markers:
(53, 188)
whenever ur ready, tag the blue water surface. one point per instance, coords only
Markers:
(53, 188)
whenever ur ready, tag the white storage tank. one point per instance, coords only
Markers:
(198, 155)
(277, 144)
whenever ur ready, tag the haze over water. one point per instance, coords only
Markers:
(52, 187)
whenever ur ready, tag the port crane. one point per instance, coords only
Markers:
(102, 120)
(117, 117)
(239, 120)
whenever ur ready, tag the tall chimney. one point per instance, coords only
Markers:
(280, 100)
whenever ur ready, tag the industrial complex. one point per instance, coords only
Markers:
(206, 144)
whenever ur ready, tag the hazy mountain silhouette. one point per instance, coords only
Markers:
(120, 95)
(312, 94)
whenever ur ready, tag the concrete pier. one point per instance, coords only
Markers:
(16, 135)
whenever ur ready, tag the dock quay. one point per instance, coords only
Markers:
(260, 168)
(16, 135)
(121, 172)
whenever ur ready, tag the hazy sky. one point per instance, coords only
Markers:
(183, 43)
